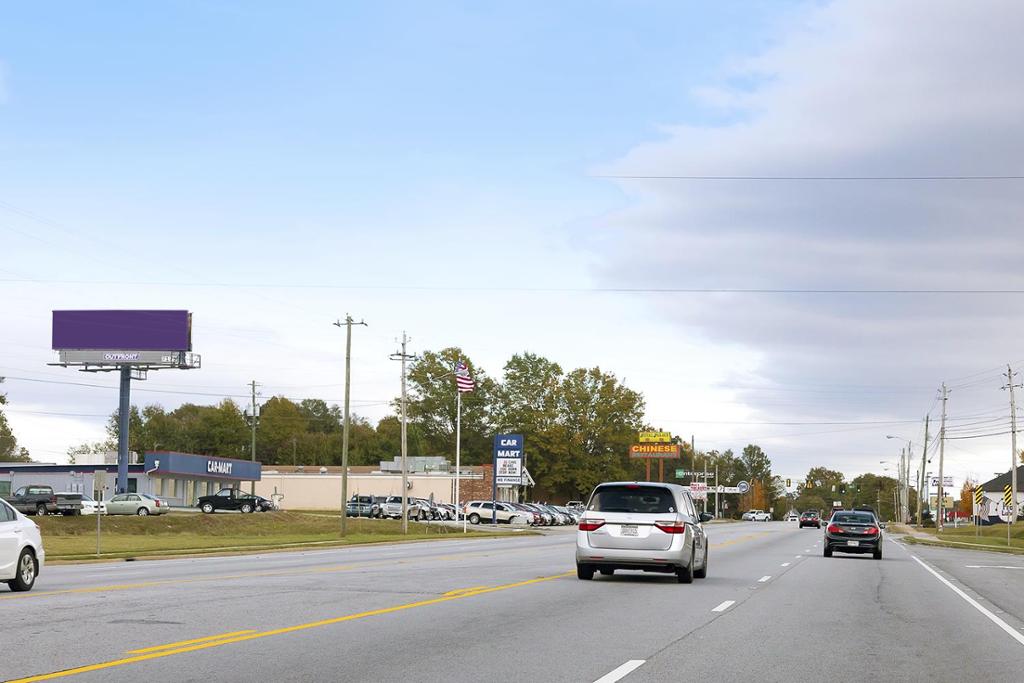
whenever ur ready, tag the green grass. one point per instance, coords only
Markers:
(984, 538)
(69, 538)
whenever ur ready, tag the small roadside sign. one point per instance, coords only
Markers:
(655, 437)
(699, 490)
(680, 474)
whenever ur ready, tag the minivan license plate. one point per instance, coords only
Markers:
(853, 543)
(630, 530)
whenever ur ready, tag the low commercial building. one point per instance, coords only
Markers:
(179, 478)
(319, 488)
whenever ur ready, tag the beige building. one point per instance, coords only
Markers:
(319, 488)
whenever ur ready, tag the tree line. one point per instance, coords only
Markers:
(577, 424)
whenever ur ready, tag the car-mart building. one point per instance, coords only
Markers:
(178, 478)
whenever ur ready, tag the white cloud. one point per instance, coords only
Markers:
(854, 89)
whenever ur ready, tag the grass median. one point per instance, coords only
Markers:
(991, 537)
(74, 538)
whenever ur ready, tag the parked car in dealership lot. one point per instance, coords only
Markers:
(229, 499)
(362, 506)
(21, 549)
(41, 500)
(650, 527)
(90, 506)
(484, 511)
(135, 504)
(393, 508)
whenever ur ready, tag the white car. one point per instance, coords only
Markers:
(756, 516)
(21, 549)
(89, 505)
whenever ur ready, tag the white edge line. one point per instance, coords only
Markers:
(621, 672)
(724, 606)
(764, 578)
(974, 603)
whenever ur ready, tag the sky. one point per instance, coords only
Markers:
(443, 169)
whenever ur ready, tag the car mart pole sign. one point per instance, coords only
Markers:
(508, 459)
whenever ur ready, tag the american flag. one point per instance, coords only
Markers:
(462, 379)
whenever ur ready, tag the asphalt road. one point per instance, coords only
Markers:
(511, 609)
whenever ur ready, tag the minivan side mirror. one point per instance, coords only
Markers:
(706, 517)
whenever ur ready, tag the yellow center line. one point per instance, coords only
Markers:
(170, 646)
(280, 631)
(457, 591)
(247, 575)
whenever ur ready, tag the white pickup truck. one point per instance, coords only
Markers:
(756, 516)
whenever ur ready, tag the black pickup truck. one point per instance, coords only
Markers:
(41, 500)
(233, 499)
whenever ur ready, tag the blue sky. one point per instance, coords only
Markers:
(328, 152)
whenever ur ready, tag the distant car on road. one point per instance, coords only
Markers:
(135, 504)
(810, 518)
(792, 517)
(853, 532)
(756, 516)
(228, 499)
(647, 526)
(21, 549)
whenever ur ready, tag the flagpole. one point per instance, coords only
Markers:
(458, 452)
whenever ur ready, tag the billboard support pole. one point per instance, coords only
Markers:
(123, 417)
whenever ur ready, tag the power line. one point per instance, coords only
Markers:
(525, 290)
(891, 178)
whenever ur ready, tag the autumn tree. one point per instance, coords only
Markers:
(10, 451)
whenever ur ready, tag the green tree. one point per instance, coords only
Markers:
(432, 407)
(282, 421)
(10, 451)
(827, 484)
(320, 417)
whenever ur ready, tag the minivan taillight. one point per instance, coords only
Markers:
(672, 527)
(591, 524)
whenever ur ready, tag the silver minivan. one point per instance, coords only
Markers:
(646, 526)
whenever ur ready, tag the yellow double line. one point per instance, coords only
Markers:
(181, 647)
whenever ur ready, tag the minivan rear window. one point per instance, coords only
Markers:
(635, 499)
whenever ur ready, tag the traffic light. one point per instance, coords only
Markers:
(789, 483)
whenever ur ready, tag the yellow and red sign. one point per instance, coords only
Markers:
(655, 437)
(654, 450)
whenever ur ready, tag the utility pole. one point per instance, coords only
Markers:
(344, 434)
(942, 452)
(403, 356)
(903, 501)
(704, 460)
(1012, 518)
(293, 451)
(255, 416)
(924, 460)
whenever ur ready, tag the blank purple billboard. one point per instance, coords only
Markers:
(123, 330)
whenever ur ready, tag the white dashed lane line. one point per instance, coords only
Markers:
(764, 579)
(784, 564)
(621, 672)
(724, 606)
